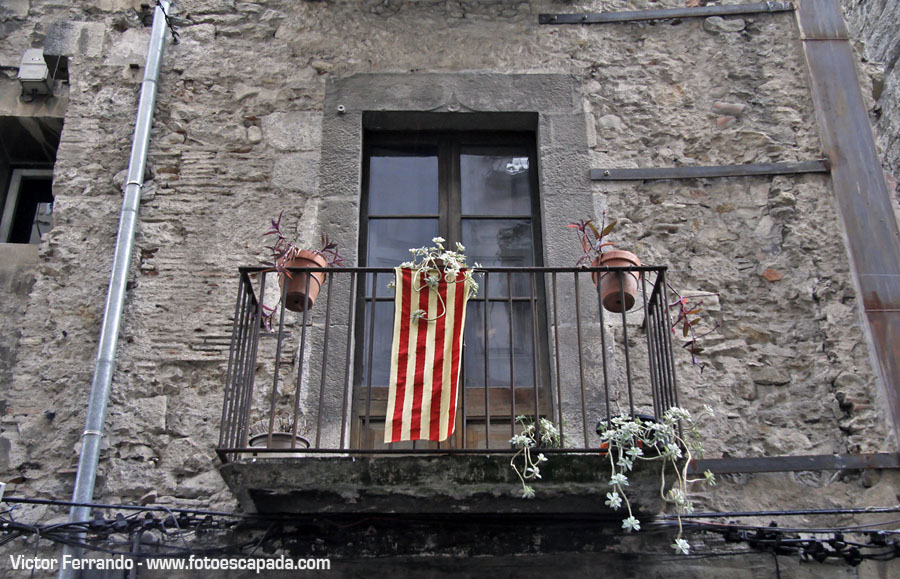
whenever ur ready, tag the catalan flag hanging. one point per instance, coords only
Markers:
(429, 318)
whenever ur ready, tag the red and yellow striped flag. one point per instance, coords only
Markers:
(425, 357)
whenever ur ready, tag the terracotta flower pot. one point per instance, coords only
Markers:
(296, 297)
(612, 282)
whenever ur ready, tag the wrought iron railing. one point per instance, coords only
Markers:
(537, 343)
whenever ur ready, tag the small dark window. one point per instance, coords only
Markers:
(28, 206)
(27, 154)
(58, 67)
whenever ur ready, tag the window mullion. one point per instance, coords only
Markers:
(537, 234)
(444, 188)
(454, 192)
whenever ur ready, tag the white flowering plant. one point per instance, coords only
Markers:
(437, 261)
(543, 434)
(672, 440)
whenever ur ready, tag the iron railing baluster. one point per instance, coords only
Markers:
(565, 401)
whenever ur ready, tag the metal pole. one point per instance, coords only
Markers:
(115, 298)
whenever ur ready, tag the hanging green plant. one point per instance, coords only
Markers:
(543, 434)
(672, 441)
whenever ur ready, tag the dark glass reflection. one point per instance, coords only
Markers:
(495, 181)
(500, 243)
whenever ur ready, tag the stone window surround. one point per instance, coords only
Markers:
(549, 104)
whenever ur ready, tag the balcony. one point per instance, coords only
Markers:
(305, 395)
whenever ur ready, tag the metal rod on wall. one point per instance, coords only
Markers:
(665, 13)
(699, 172)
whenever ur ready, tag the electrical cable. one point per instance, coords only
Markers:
(114, 535)
(855, 529)
(853, 511)
(59, 503)
(168, 22)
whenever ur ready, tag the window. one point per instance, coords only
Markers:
(27, 206)
(27, 153)
(479, 189)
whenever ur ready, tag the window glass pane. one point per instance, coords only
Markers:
(403, 181)
(498, 341)
(389, 244)
(500, 243)
(390, 239)
(384, 327)
(495, 181)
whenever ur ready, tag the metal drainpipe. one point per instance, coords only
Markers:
(115, 298)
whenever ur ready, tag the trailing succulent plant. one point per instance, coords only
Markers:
(430, 264)
(672, 441)
(542, 434)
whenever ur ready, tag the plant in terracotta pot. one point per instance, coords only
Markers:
(686, 308)
(300, 288)
(597, 254)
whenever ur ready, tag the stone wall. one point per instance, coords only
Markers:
(875, 23)
(237, 138)
(17, 265)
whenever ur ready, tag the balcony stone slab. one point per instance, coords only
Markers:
(472, 484)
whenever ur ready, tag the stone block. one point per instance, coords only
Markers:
(729, 109)
(202, 485)
(130, 48)
(118, 5)
(610, 122)
(725, 122)
(148, 414)
(76, 39)
(297, 173)
(769, 376)
(254, 134)
(718, 25)
(293, 131)
(128, 479)
(183, 456)
(14, 9)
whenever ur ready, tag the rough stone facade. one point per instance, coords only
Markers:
(238, 137)
(875, 24)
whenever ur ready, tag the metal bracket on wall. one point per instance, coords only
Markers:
(745, 170)
(662, 14)
(878, 460)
